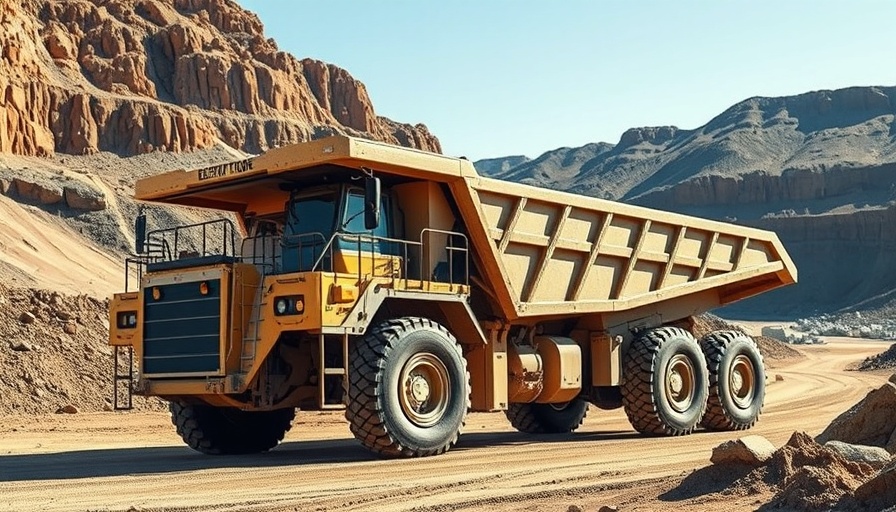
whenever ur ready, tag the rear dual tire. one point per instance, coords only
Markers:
(665, 382)
(736, 381)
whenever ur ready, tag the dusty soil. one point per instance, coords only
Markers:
(115, 461)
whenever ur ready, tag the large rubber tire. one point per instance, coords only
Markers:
(229, 431)
(736, 381)
(409, 389)
(547, 418)
(664, 382)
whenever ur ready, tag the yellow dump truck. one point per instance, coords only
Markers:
(407, 289)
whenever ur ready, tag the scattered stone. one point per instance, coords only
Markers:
(70, 328)
(870, 422)
(607, 508)
(22, 346)
(27, 317)
(68, 409)
(893, 378)
(779, 377)
(748, 450)
(63, 315)
(874, 455)
(107, 408)
(574, 508)
(37, 393)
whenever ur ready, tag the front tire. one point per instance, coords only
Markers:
(228, 430)
(736, 381)
(534, 418)
(409, 390)
(665, 383)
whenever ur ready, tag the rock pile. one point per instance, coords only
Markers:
(54, 355)
(886, 360)
(849, 466)
(853, 324)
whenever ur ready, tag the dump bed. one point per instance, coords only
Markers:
(540, 252)
(554, 253)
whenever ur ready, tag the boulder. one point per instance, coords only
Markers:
(748, 450)
(874, 455)
(68, 409)
(84, 199)
(870, 422)
(27, 317)
(39, 193)
(879, 492)
(893, 378)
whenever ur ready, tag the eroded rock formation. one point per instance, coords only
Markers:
(80, 76)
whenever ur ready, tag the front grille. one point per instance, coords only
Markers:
(182, 328)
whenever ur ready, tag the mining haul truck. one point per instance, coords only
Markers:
(405, 288)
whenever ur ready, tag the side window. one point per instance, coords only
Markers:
(354, 216)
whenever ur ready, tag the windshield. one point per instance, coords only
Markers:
(312, 215)
(309, 225)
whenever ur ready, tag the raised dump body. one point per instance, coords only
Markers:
(404, 287)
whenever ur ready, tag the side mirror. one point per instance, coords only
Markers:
(139, 233)
(371, 203)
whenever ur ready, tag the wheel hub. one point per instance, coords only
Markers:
(424, 389)
(419, 389)
(680, 383)
(742, 381)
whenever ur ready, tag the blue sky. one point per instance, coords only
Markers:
(496, 78)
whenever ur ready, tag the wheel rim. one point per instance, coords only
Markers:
(680, 383)
(424, 389)
(741, 381)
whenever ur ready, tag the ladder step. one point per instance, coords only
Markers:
(332, 406)
(334, 371)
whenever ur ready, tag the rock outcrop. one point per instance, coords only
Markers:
(869, 422)
(81, 76)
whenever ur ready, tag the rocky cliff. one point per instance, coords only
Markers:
(818, 168)
(133, 76)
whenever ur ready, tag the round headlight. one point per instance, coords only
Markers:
(281, 306)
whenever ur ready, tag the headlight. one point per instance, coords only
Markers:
(126, 319)
(281, 306)
(292, 305)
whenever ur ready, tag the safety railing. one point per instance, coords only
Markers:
(203, 239)
(413, 262)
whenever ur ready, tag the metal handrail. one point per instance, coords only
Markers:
(456, 243)
(160, 249)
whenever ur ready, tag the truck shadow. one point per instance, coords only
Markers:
(178, 459)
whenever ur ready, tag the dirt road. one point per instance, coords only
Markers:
(115, 461)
